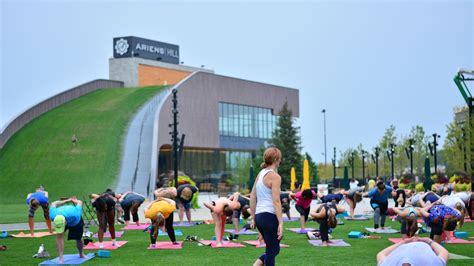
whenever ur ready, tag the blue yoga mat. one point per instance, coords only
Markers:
(176, 233)
(69, 259)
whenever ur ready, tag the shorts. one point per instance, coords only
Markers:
(303, 212)
(436, 229)
(236, 214)
(75, 232)
(403, 227)
(186, 205)
(45, 206)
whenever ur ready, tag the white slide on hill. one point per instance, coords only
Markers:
(135, 169)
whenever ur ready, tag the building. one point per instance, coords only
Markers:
(224, 119)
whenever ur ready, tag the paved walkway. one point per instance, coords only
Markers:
(196, 214)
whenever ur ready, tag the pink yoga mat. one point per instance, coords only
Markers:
(452, 241)
(256, 243)
(36, 235)
(336, 243)
(225, 244)
(135, 227)
(299, 231)
(167, 245)
(185, 224)
(241, 232)
(107, 245)
(107, 234)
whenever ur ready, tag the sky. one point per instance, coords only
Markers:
(370, 64)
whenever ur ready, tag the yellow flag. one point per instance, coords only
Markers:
(293, 179)
(305, 184)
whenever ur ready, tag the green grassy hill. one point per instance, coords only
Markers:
(42, 152)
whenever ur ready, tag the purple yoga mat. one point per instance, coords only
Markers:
(356, 218)
(184, 224)
(299, 231)
(241, 232)
(285, 219)
(69, 259)
(107, 234)
(336, 243)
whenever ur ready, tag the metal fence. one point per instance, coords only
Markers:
(53, 102)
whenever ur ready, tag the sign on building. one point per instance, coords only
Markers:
(138, 47)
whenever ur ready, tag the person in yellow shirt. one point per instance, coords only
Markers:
(160, 212)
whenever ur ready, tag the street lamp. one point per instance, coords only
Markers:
(334, 167)
(433, 151)
(390, 153)
(376, 161)
(325, 151)
(363, 164)
(351, 163)
(409, 152)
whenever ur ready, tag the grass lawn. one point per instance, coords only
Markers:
(41, 152)
(362, 251)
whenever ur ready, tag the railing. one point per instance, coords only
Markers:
(53, 102)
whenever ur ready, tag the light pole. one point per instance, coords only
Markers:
(363, 164)
(351, 163)
(409, 152)
(433, 150)
(334, 167)
(175, 136)
(390, 157)
(325, 151)
(376, 161)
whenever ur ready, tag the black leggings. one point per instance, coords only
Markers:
(380, 212)
(169, 229)
(126, 214)
(267, 225)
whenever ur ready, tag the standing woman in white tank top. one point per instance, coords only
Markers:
(265, 205)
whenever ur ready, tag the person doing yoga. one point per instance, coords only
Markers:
(440, 218)
(104, 205)
(130, 202)
(184, 196)
(243, 209)
(160, 212)
(220, 210)
(303, 204)
(408, 218)
(325, 215)
(34, 200)
(379, 202)
(353, 196)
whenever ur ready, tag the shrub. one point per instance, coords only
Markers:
(419, 187)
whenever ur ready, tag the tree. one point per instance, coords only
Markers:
(384, 144)
(285, 137)
(454, 147)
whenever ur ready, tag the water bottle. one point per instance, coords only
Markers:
(41, 249)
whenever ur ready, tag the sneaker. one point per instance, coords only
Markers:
(121, 220)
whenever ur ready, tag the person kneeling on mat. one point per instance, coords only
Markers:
(413, 251)
(104, 205)
(244, 209)
(67, 217)
(130, 202)
(440, 218)
(325, 215)
(303, 204)
(160, 212)
(408, 218)
(379, 202)
(220, 210)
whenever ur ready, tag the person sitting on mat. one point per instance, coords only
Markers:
(243, 209)
(285, 200)
(67, 217)
(220, 210)
(104, 205)
(325, 215)
(353, 196)
(130, 202)
(166, 192)
(408, 218)
(34, 200)
(184, 196)
(379, 202)
(440, 218)
(303, 204)
(160, 212)
(413, 251)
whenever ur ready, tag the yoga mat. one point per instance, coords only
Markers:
(135, 227)
(184, 224)
(176, 233)
(453, 256)
(69, 259)
(167, 245)
(299, 231)
(380, 231)
(357, 218)
(107, 234)
(395, 240)
(459, 241)
(256, 243)
(36, 235)
(285, 219)
(107, 245)
(241, 232)
(336, 243)
(225, 244)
